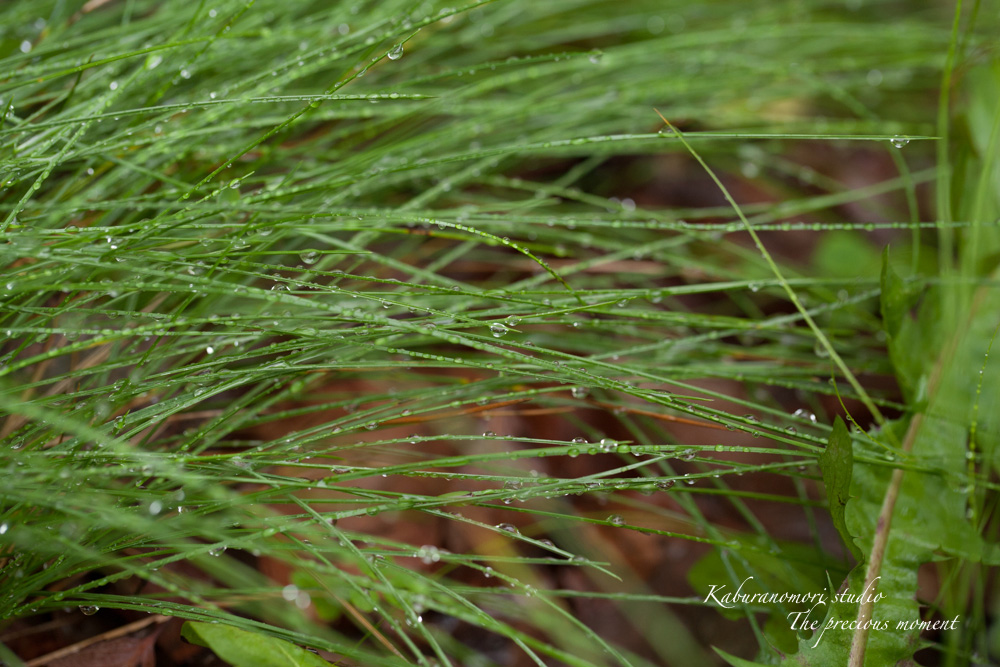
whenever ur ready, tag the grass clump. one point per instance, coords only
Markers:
(408, 333)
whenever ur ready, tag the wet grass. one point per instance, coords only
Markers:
(389, 328)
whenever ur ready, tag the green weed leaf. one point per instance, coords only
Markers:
(911, 507)
(896, 300)
(737, 662)
(909, 348)
(837, 464)
(242, 648)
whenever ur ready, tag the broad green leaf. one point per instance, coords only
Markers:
(930, 519)
(737, 662)
(895, 301)
(837, 464)
(979, 166)
(909, 349)
(242, 648)
(763, 566)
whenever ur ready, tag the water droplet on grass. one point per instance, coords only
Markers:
(804, 414)
(428, 554)
(396, 53)
(899, 142)
(509, 528)
(616, 519)
(498, 330)
(89, 610)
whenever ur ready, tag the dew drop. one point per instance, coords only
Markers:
(396, 53)
(509, 528)
(89, 610)
(498, 329)
(428, 554)
(804, 414)
(579, 392)
(616, 520)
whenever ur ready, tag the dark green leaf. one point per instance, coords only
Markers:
(837, 464)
